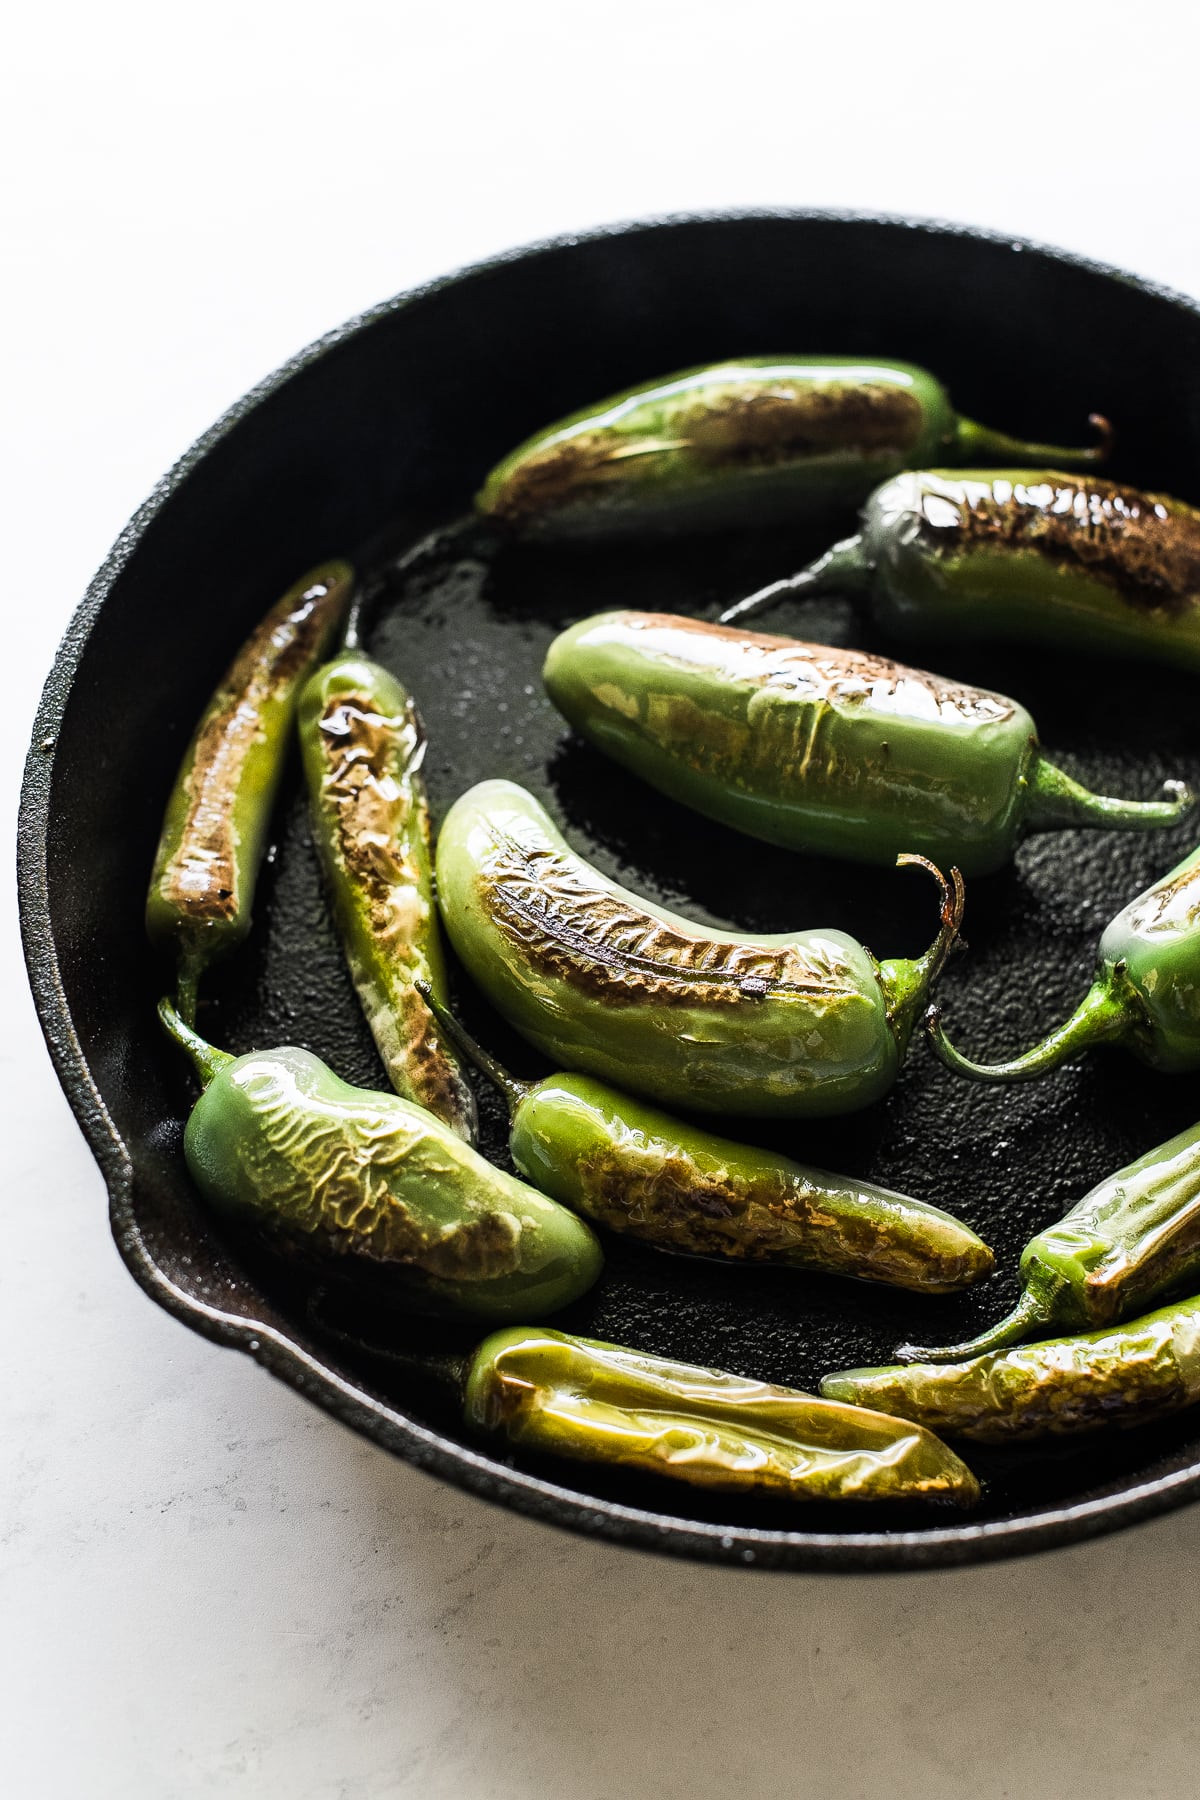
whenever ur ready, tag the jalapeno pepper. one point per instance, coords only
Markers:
(1136, 1234)
(214, 833)
(802, 1024)
(822, 749)
(279, 1142)
(752, 438)
(363, 745)
(1120, 1377)
(642, 1173)
(1024, 554)
(1145, 994)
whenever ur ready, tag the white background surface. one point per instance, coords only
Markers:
(205, 1585)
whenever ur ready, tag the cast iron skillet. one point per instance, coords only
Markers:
(370, 444)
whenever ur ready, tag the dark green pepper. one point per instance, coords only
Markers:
(373, 1182)
(215, 829)
(748, 439)
(1136, 1234)
(1121, 1377)
(1145, 995)
(363, 745)
(651, 1177)
(821, 749)
(566, 1396)
(1023, 554)
(796, 1025)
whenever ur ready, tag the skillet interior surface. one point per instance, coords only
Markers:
(371, 445)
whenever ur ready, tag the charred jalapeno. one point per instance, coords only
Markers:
(640, 1172)
(796, 1025)
(752, 438)
(1124, 1376)
(363, 745)
(1145, 994)
(1026, 554)
(822, 749)
(214, 833)
(373, 1182)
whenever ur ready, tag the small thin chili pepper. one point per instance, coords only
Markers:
(822, 749)
(795, 1025)
(1145, 994)
(1029, 555)
(1134, 1236)
(752, 438)
(280, 1142)
(214, 833)
(363, 745)
(1124, 1376)
(651, 1177)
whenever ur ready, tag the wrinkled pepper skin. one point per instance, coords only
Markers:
(1145, 994)
(363, 745)
(214, 834)
(370, 1181)
(748, 440)
(1127, 1375)
(821, 749)
(1026, 555)
(593, 1402)
(790, 1026)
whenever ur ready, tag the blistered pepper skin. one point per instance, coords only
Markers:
(369, 1181)
(594, 1402)
(817, 748)
(748, 440)
(607, 984)
(363, 745)
(215, 829)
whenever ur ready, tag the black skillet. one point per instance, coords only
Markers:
(370, 444)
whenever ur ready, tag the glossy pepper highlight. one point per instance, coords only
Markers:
(640, 1172)
(214, 833)
(1029, 555)
(797, 1025)
(1136, 1234)
(1121, 1377)
(363, 745)
(1145, 995)
(822, 749)
(373, 1182)
(750, 439)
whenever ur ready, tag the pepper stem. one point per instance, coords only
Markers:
(206, 1060)
(186, 987)
(845, 565)
(1099, 1018)
(907, 981)
(1053, 798)
(979, 444)
(514, 1091)
(1025, 1318)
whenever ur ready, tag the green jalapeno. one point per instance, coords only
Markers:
(1024, 554)
(754, 437)
(795, 1025)
(544, 1391)
(279, 1142)
(1127, 1375)
(214, 833)
(363, 745)
(1145, 994)
(649, 1176)
(1136, 1234)
(822, 749)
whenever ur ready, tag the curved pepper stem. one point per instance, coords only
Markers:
(846, 566)
(1054, 799)
(1027, 1316)
(206, 1060)
(978, 445)
(514, 1091)
(1099, 1018)
(906, 982)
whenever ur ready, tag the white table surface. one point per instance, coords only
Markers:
(205, 1585)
